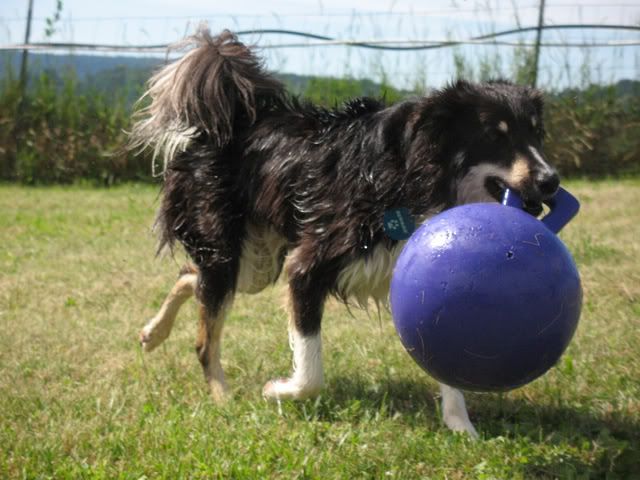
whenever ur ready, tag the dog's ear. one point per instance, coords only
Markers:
(430, 122)
(395, 131)
(446, 110)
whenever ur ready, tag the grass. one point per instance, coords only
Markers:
(78, 399)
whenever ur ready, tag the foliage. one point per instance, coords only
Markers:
(51, 22)
(594, 132)
(330, 92)
(54, 134)
(63, 130)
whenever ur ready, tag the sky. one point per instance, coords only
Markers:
(164, 21)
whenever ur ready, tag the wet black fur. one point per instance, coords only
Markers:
(321, 178)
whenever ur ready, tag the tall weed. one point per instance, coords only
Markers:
(62, 130)
(595, 132)
(55, 134)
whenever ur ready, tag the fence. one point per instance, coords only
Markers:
(404, 48)
(56, 135)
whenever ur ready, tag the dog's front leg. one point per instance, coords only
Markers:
(307, 295)
(308, 377)
(454, 411)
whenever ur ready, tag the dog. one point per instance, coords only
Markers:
(256, 181)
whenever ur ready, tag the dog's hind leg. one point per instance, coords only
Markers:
(159, 327)
(208, 348)
(454, 411)
(215, 291)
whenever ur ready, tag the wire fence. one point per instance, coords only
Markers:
(406, 44)
(55, 135)
(408, 53)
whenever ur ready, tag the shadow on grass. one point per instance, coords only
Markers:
(392, 396)
(355, 400)
(612, 441)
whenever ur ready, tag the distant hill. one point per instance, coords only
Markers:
(83, 65)
(108, 71)
(90, 66)
(124, 76)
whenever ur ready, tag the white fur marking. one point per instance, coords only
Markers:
(260, 260)
(370, 276)
(308, 376)
(536, 155)
(471, 189)
(159, 126)
(503, 126)
(454, 411)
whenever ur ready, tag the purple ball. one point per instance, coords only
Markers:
(485, 297)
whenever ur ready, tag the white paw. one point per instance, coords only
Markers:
(460, 424)
(454, 411)
(152, 335)
(289, 389)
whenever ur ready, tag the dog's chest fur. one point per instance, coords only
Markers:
(264, 253)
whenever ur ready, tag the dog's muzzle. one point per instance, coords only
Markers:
(543, 187)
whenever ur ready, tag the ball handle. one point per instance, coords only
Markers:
(562, 207)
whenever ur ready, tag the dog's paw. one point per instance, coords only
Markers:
(454, 411)
(461, 424)
(288, 389)
(219, 392)
(151, 336)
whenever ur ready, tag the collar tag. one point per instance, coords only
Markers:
(398, 223)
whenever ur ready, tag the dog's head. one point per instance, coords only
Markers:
(495, 136)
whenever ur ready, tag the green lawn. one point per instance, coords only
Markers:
(78, 279)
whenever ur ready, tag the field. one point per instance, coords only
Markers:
(78, 399)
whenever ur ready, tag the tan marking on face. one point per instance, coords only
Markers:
(503, 126)
(534, 122)
(519, 172)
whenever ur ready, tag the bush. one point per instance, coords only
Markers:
(594, 132)
(333, 91)
(62, 132)
(53, 134)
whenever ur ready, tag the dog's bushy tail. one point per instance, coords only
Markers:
(219, 85)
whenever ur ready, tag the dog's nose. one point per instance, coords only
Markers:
(548, 184)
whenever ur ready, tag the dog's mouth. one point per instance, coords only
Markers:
(496, 187)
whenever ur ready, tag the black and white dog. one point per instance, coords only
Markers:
(256, 181)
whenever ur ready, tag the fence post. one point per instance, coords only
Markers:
(25, 52)
(536, 60)
(10, 170)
